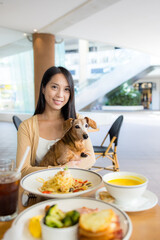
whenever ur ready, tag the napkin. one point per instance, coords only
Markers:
(14, 233)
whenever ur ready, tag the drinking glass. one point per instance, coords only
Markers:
(9, 186)
(6, 164)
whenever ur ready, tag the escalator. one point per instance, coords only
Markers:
(134, 68)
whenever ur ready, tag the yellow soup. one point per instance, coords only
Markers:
(126, 181)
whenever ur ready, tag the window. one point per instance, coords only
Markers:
(17, 83)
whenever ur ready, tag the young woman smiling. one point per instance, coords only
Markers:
(56, 104)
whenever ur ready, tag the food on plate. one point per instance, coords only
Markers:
(83, 210)
(34, 226)
(106, 197)
(91, 223)
(63, 182)
(56, 218)
(102, 225)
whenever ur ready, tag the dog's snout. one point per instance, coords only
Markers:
(85, 136)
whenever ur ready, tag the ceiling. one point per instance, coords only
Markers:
(121, 23)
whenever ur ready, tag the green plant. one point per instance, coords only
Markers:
(125, 96)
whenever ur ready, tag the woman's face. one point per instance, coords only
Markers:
(56, 92)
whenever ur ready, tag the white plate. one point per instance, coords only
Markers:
(147, 201)
(31, 184)
(67, 205)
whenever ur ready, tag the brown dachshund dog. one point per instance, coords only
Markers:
(71, 145)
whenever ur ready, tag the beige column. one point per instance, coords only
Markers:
(44, 57)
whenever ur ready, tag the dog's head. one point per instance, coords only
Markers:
(79, 127)
(91, 122)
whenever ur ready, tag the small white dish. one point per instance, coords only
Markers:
(31, 184)
(147, 201)
(48, 233)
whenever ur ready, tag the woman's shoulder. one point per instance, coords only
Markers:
(29, 122)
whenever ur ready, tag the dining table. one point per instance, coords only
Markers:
(145, 224)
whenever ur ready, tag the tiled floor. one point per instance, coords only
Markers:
(138, 149)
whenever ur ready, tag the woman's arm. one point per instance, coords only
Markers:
(24, 139)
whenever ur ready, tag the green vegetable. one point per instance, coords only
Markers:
(51, 221)
(74, 215)
(58, 219)
(55, 211)
(54, 216)
(67, 221)
(66, 168)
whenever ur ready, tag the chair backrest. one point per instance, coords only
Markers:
(16, 120)
(115, 129)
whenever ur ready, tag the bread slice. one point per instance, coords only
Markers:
(102, 225)
(106, 197)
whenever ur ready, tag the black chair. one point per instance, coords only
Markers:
(110, 151)
(16, 120)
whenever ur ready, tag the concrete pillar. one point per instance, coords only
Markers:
(44, 57)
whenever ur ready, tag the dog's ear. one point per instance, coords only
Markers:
(91, 123)
(68, 124)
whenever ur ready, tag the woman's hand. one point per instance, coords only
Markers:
(77, 164)
(73, 164)
(84, 163)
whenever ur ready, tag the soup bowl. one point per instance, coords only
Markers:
(125, 187)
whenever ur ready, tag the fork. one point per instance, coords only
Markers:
(26, 197)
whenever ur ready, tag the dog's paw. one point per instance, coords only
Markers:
(83, 154)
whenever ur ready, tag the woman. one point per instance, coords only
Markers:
(55, 105)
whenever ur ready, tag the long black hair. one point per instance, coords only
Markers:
(68, 110)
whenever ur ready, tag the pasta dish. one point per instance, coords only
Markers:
(63, 182)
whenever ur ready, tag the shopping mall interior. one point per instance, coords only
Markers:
(105, 54)
(111, 48)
